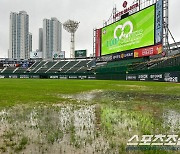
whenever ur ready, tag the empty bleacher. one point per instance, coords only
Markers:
(37, 67)
(45, 67)
(57, 67)
(20, 70)
(68, 66)
(8, 70)
(157, 63)
(118, 66)
(78, 66)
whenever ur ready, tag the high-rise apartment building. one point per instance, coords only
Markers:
(19, 35)
(30, 42)
(40, 39)
(52, 37)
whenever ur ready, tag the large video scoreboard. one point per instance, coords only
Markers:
(139, 34)
(135, 31)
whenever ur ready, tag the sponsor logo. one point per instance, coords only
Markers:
(54, 77)
(91, 77)
(129, 54)
(131, 77)
(168, 77)
(35, 76)
(2, 76)
(132, 7)
(154, 50)
(82, 77)
(35, 54)
(13, 76)
(73, 77)
(63, 77)
(144, 76)
(104, 31)
(55, 55)
(125, 4)
(24, 76)
(122, 28)
(11, 65)
(156, 77)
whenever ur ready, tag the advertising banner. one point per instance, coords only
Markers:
(60, 54)
(11, 65)
(35, 55)
(72, 77)
(35, 76)
(24, 64)
(80, 53)
(149, 51)
(143, 77)
(159, 21)
(24, 76)
(82, 77)
(2, 76)
(54, 77)
(160, 77)
(171, 77)
(104, 58)
(63, 77)
(156, 77)
(92, 77)
(123, 55)
(131, 77)
(133, 32)
(13, 76)
(98, 43)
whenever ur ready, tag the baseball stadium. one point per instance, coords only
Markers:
(125, 98)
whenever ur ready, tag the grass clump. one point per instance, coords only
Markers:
(22, 144)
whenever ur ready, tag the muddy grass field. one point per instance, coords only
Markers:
(87, 117)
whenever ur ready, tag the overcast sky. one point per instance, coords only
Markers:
(90, 14)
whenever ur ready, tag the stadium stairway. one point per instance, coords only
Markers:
(52, 66)
(68, 66)
(57, 67)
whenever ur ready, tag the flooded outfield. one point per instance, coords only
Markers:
(87, 123)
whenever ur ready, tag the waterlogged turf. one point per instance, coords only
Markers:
(86, 116)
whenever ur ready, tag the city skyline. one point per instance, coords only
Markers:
(90, 14)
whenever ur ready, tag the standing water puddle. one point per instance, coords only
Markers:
(69, 129)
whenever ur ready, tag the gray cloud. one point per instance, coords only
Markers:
(90, 14)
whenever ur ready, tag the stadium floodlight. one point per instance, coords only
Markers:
(71, 26)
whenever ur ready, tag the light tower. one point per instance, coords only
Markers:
(71, 26)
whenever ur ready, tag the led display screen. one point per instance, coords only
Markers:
(133, 32)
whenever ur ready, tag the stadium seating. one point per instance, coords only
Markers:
(20, 70)
(157, 63)
(7, 70)
(118, 66)
(57, 66)
(51, 67)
